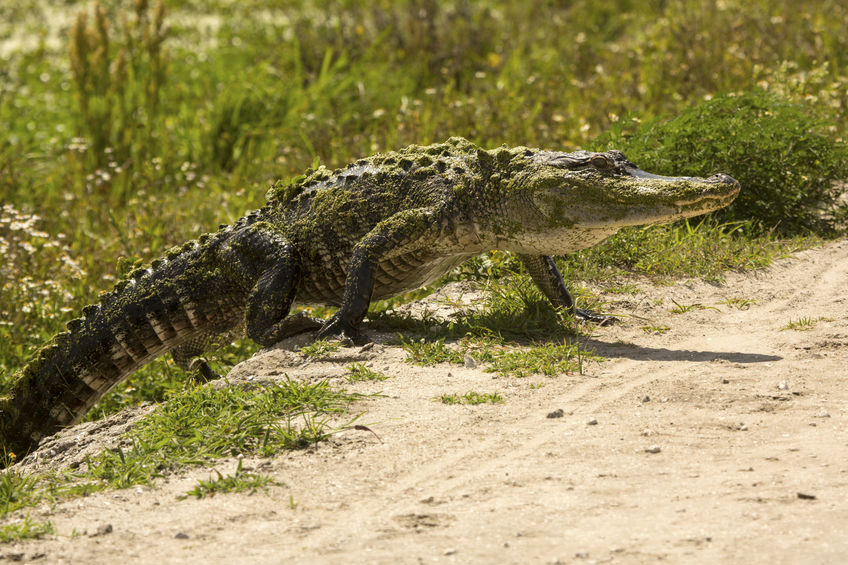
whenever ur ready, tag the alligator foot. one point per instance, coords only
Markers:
(200, 370)
(336, 328)
(288, 327)
(599, 319)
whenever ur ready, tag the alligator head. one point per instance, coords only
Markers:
(605, 190)
(563, 202)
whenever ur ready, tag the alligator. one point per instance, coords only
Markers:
(382, 226)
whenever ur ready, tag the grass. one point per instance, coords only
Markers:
(655, 330)
(25, 529)
(359, 372)
(740, 303)
(684, 308)
(499, 356)
(320, 348)
(204, 424)
(16, 491)
(471, 398)
(804, 324)
(240, 481)
(195, 427)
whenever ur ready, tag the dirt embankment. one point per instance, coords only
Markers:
(722, 440)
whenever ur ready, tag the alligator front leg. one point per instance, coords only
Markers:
(547, 277)
(403, 231)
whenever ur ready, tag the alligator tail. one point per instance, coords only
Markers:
(178, 298)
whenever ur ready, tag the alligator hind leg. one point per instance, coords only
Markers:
(547, 277)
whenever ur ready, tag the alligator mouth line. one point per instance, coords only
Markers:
(704, 198)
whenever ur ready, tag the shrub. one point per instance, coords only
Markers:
(789, 167)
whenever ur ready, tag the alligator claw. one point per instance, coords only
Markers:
(346, 333)
(201, 372)
(600, 319)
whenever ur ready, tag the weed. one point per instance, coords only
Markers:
(547, 359)
(471, 398)
(655, 330)
(320, 348)
(359, 372)
(804, 324)
(502, 358)
(683, 308)
(240, 481)
(17, 491)
(25, 529)
(739, 303)
(422, 352)
(630, 289)
(203, 423)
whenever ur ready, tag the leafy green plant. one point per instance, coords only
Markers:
(423, 352)
(781, 153)
(499, 356)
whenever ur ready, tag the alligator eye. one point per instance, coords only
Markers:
(601, 162)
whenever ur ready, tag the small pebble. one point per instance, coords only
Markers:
(823, 414)
(724, 381)
(783, 385)
(102, 530)
(653, 449)
(558, 413)
(805, 496)
(646, 398)
(181, 535)
(469, 362)
(592, 422)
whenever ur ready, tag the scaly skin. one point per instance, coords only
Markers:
(380, 227)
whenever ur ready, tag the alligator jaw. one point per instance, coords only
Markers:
(651, 199)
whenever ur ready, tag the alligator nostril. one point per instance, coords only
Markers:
(722, 178)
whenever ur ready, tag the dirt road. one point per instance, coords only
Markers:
(722, 440)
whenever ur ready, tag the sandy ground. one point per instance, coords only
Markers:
(723, 440)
